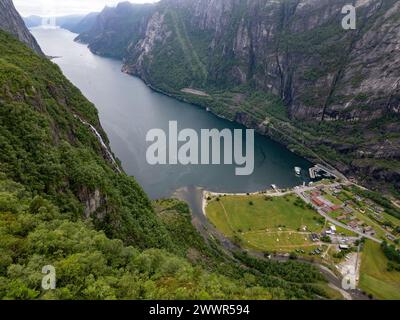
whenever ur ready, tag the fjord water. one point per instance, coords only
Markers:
(128, 109)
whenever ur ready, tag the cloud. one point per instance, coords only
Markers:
(65, 7)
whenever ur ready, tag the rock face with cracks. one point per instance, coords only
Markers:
(12, 22)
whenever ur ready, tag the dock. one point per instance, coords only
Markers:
(319, 171)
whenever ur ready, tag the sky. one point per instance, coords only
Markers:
(65, 7)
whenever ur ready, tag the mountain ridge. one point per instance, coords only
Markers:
(74, 23)
(12, 22)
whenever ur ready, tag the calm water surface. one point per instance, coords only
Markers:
(128, 109)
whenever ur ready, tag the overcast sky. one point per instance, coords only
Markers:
(65, 7)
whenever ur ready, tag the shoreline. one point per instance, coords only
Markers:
(268, 192)
(333, 278)
(311, 157)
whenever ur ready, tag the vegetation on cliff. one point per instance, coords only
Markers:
(63, 203)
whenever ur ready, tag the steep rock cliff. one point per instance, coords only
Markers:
(114, 28)
(11, 21)
(340, 89)
(295, 49)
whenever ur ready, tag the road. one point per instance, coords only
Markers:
(300, 191)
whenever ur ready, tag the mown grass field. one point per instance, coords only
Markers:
(345, 232)
(285, 241)
(374, 277)
(332, 199)
(264, 223)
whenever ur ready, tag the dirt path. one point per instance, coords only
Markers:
(195, 92)
(226, 216)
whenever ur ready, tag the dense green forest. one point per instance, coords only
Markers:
(33, 233)
(63, 203)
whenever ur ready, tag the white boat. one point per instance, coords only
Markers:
(297, 170)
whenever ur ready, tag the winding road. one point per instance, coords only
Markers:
(300, 192)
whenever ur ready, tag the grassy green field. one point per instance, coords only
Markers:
(286, 241)
(394, 220)
(264, 223)
(340, 230)
(374, 277)
(332, 199)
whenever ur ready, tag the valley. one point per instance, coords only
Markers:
(100, 175)
(290, 72)
(128, 110)
(281, 242)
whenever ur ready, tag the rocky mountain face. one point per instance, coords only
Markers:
(11, 21)
(115, 28)
(85, 24)
(338, 90)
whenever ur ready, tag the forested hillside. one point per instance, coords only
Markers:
(46, 147)
(64, 202)
(114, 28)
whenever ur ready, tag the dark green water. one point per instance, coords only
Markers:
(128, 109)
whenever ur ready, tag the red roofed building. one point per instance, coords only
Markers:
(317, 201)
(326, 209)
(315, 193)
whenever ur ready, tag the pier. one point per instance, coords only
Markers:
(320, 170)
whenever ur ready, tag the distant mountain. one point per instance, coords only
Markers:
(11, 22)
(73, 23)
(33, 21)
(84, 24)
(69, 22)
(115, 27)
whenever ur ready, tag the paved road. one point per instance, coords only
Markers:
(300, 192)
